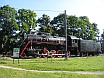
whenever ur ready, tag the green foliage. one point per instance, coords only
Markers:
(8, 24)
(58, 24)
(44, 20)
(11, 20)
(26, 20)
(44, 23)
(88, 30)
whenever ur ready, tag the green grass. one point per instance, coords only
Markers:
(8, 73)
(72, 64)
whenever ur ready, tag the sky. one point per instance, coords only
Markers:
(93, 9)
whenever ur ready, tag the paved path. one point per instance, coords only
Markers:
(78, 72)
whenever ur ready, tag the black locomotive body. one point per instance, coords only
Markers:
(89, 47)
(41, 44)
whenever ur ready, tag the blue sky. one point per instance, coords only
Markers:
(91, 8)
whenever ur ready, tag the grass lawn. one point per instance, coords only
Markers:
(95, 63)
(9, 73)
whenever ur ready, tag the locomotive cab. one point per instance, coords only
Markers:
(73, 43)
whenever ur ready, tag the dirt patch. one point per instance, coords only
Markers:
(78, 72)
(89, 72)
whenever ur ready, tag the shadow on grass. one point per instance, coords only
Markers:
(3, 63)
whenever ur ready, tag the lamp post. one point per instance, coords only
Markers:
(66, 53)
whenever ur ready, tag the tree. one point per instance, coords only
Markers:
(58, 24)
(10, 21)
(44, 20)
(87, 30)
(44, 24)
(72, 23)
(26, 20)
(94, 27)
(7, 24)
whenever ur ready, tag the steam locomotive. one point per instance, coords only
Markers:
(41, 44)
